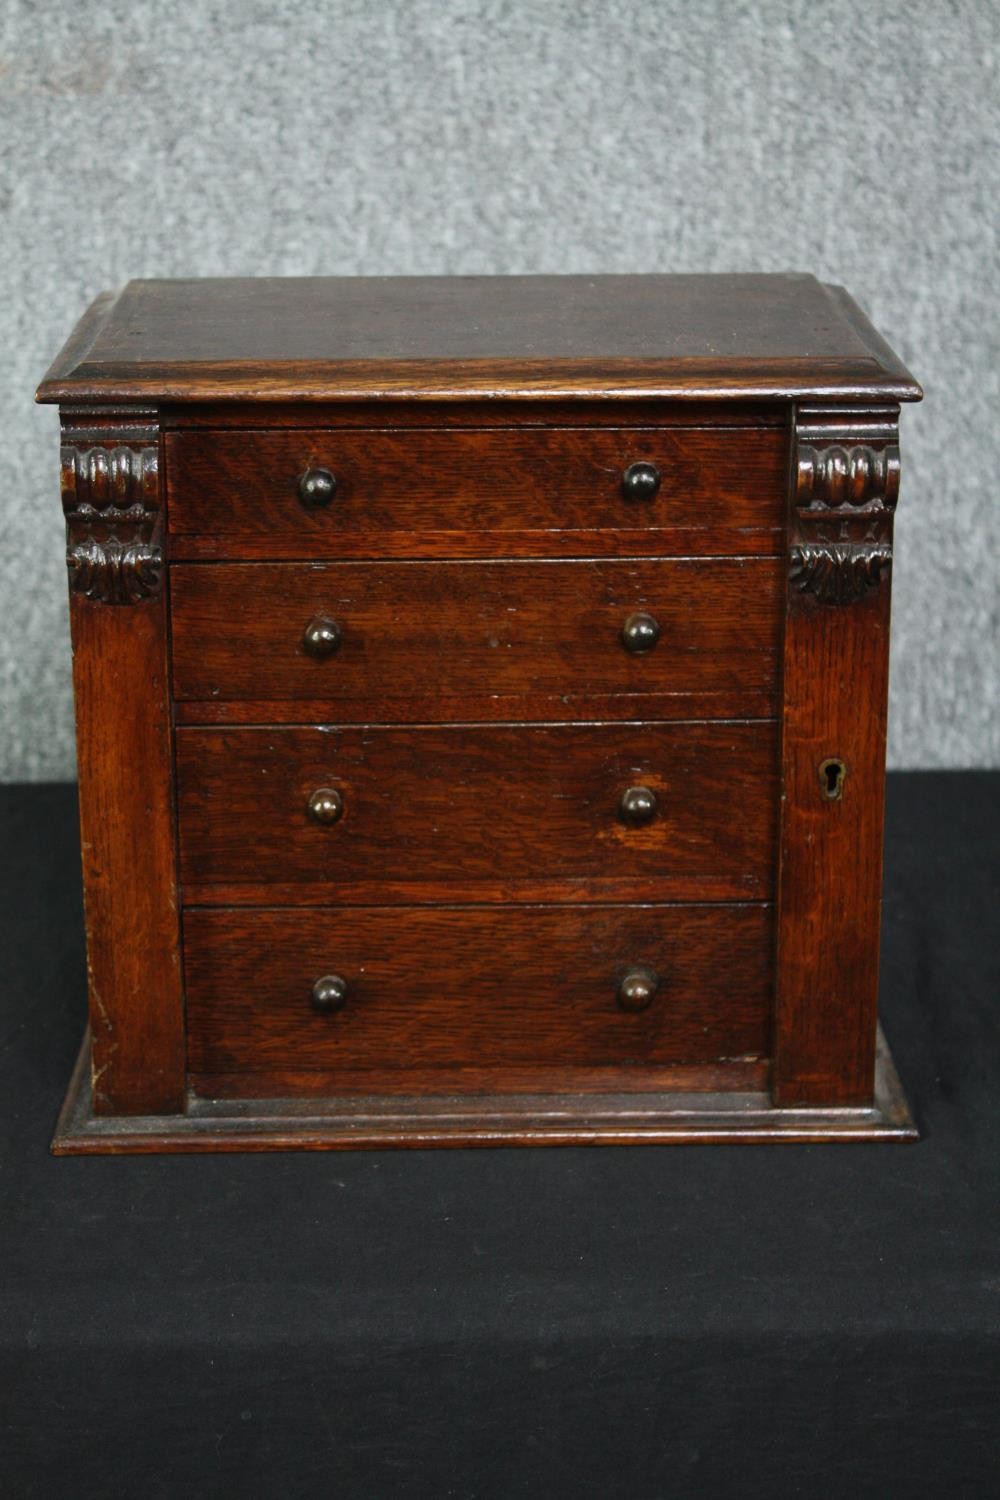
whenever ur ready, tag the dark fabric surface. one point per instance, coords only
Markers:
(711, 1321)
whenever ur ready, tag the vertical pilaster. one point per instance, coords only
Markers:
(844, 486)
(118, 613)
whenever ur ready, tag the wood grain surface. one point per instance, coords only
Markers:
(119, 621)
(127, 834)
(729, 1107)
(478, 813)
(836, 676)
(450, 632)
(323, 338)
(831, 855)
(488, 988)
(486, 492)
(393, 414)
(479, 1082)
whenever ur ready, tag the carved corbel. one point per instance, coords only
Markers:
(845, 486)
(111, 500)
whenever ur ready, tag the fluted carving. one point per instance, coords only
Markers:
(846, 487)
(111, 499)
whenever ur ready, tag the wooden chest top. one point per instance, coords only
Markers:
(342, 338)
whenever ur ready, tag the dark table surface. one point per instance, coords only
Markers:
(656, 1321)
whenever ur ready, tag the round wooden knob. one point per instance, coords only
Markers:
(640, 481)
(640, 633)
(317, 488)
(325, 806)
(637, 988)
(321, 637)
(638, 806)
(329, 994)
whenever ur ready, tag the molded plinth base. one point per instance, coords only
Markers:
(480, 1120)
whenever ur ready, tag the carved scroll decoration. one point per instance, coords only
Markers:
(846, 485)
(111, 499)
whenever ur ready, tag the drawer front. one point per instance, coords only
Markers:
(492, 813)
(455, 493)
(460, 640)
(448, 989)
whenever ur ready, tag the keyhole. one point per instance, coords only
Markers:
(831, 778)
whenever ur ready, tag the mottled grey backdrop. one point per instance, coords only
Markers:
(857, 140)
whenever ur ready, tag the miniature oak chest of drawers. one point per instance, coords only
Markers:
(481, 693)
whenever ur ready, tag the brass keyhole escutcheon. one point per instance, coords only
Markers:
(831, 778)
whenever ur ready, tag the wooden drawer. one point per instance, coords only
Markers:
(439, 641)
(476, 997)
(474, 492)
(482, 814)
